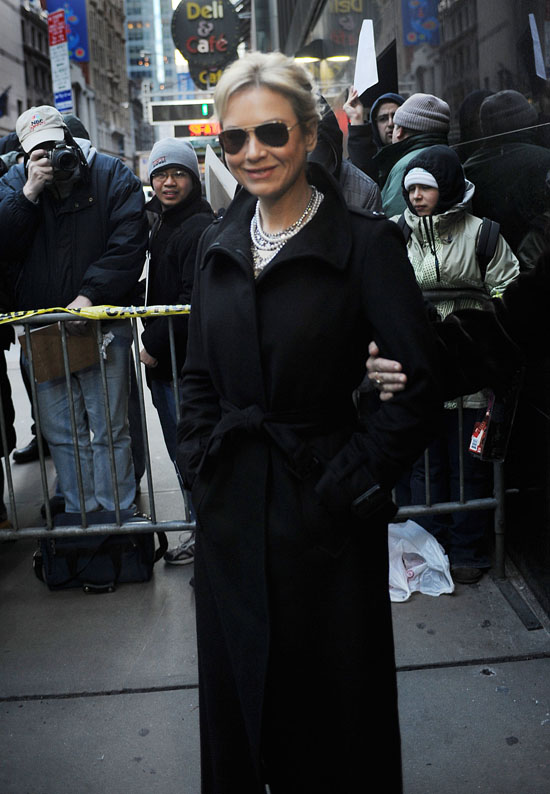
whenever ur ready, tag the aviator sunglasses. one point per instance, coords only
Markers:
(272, 133)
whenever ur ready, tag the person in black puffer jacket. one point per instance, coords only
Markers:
(182, 216)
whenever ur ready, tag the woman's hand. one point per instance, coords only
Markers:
(385, 374)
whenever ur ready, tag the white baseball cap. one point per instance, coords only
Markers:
(38, 125)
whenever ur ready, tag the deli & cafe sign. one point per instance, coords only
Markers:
(206, 33)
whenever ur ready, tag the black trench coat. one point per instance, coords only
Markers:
(296, 664)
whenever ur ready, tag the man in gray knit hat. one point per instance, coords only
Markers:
(421, 121)
(181, 217)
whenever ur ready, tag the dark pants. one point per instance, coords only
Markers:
(463, 535)
(27, 384)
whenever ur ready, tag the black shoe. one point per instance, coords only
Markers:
(466, 575)
(30, 452)
(57, 505)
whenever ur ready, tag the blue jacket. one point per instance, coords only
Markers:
(92, 243)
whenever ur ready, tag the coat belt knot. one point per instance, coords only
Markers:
(281, 428)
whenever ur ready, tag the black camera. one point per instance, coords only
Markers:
(64, 161)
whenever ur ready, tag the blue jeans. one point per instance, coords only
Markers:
(162, 393)
(91, 426)
(136, 430)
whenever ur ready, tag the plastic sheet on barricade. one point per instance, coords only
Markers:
(418, 563)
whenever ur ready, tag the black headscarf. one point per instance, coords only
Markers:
(444, 165)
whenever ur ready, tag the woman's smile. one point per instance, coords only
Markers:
(260, 173)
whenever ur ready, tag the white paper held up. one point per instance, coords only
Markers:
(366, 70)
(537, 49)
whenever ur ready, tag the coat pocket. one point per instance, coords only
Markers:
(200, 488)
(328, 530)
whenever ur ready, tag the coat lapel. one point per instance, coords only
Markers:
(228, 267)
(232, 299)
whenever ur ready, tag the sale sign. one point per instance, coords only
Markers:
(59, 59)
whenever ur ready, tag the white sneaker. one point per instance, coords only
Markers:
(182, 554)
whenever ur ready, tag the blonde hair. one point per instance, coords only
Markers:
(274, 71)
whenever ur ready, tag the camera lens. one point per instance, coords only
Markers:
(64, 160)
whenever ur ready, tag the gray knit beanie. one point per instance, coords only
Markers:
(423, 113)
(172, 153)
(506, 111)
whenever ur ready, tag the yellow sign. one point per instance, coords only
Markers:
(214, 11)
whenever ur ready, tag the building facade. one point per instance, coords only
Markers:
(13, 90)
(450, 47)
(150, 52)
(100, 88)
(36, 55)
(107, 77)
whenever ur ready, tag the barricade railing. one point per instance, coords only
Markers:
(133, 314)
(96, 314)
(494, 502)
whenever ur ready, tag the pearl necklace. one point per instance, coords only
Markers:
(265, 245)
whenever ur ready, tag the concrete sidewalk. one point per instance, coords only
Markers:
(99, 693)
(474, 694)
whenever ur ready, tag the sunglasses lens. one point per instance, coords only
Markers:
(232, 141)
(274, 133)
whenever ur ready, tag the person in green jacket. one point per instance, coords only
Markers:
(442, 251)
(421, 121)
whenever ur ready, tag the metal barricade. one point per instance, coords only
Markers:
(95, 315)
(463, 298)
(463, 505)
(494, 502)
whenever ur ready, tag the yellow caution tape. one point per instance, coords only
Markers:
(101, 312)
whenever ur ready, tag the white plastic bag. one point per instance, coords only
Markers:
(417, 562)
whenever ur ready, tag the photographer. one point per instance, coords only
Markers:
(72, 221)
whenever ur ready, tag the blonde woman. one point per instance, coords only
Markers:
(296, 665)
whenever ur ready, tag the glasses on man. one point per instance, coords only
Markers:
(272, 133)
(162, 176)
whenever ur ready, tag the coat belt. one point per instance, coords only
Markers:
(284, 429)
